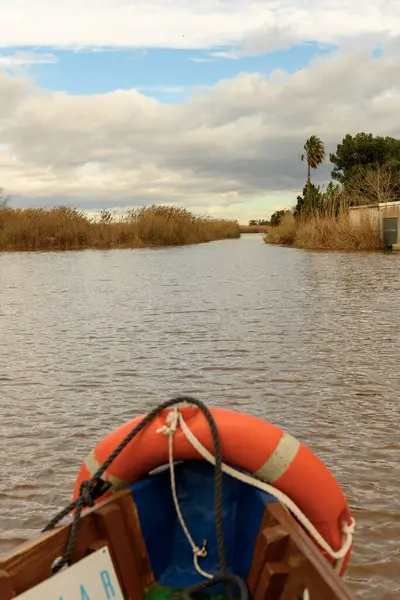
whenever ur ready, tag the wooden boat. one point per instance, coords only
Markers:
(162, 523)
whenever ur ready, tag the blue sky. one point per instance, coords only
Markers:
(170, 75)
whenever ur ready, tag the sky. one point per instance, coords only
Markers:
(204, 104)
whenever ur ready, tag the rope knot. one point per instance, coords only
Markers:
(86, 492)
(349, 528)
(201, 552)
(172, 422)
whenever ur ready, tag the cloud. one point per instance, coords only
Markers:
(268, 38)
(163, 89)
(24, 59)
(237, 142)
(201, 59)
(190, 25)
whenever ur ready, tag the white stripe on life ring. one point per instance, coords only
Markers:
(92, 465)
(280, 459)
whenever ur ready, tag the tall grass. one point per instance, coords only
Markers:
(326, 232)
(64, 228)
(328, 226)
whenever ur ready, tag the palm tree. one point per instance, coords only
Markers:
(314, 154)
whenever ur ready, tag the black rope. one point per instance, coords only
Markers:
(226, 578)
(95, 487)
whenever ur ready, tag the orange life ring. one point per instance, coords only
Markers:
(247, 443)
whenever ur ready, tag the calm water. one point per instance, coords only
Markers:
(309, 341)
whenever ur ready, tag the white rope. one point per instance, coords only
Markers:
(347, 528)
(169, 430)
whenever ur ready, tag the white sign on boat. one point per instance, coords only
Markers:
(92, 578)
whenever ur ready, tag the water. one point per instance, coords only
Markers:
(309, 341)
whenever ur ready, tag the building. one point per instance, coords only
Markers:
(387, 218)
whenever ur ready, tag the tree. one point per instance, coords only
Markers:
(373, 185)
(311, 201)
(276, 217)
(316, 200)
(314, 154)
(362, 152)
(334, 201)
(259, 222)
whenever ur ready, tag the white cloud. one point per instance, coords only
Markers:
(201, 59)
(225, 150)
(163, 89)
(24, 59)
(262, 40)
(188, 24)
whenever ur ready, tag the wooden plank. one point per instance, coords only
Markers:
(7, 590)
(286, 561)
(131, 520)
(321, 566)
(123, 553)
(114, 522)
(272, 581)
(272, 542)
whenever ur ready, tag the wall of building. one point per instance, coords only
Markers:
(356, 213)
(377, 212)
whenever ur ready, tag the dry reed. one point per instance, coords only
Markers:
(326, 232)
(330, 226)
(64, 228)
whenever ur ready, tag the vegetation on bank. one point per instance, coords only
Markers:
(253, 228)
(367, 170)
(64, 228)
(323, 232)
(264, 224)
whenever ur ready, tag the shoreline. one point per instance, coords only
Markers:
(121, 247)
(334, 250)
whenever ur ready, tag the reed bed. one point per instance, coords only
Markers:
(326, 232)
(65, 228)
